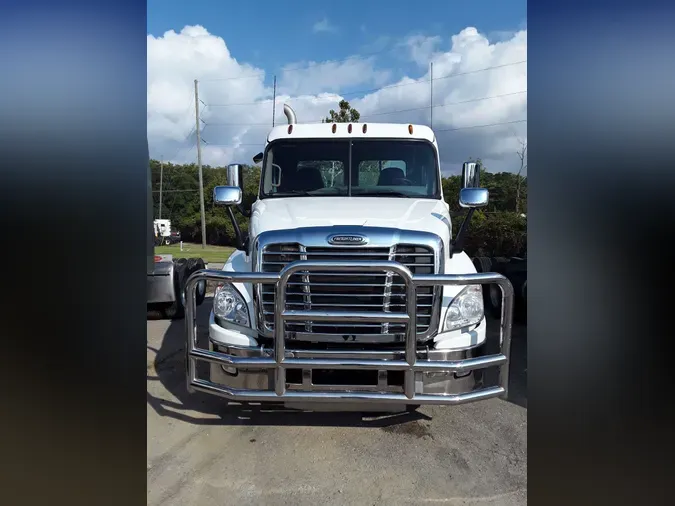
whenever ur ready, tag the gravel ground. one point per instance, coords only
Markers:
(202, 450)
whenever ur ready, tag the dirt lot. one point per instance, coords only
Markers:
(203, 451)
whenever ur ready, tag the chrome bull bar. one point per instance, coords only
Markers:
(284, 359)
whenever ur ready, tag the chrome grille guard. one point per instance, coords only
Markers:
(284, 359)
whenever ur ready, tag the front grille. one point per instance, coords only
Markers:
(332, 291)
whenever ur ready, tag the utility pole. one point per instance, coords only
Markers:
(431, 96)
(199, 166)
(161, 177)
(274, 101)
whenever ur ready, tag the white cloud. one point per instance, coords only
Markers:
(330, 76)
(323, 26)
(462, 91)
(421, 48)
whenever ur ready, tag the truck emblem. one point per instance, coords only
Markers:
(349, 239)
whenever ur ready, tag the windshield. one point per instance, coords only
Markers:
(388, 168)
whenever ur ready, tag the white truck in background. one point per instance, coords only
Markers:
(349, 290)
(164, 233)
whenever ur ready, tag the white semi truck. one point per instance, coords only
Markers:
(164, 233)
(349, 290)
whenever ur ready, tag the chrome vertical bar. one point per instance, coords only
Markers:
(505, 326)
(411, 335)
(307, 298)
(191, 324)
(279, 334)
(389, 280)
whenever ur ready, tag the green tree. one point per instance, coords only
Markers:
(346, 114)
(494, 231)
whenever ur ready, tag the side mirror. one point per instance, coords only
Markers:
(258, 158)
(227, 195)
(235, 175)
(471, 175)
(473, 198)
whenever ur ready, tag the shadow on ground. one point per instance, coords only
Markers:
(168, 368)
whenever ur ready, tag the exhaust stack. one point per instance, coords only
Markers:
(290, 114)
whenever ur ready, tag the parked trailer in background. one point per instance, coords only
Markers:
(349, 288)
(515, 270)
(167, 276)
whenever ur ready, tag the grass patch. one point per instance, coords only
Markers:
(218, 254)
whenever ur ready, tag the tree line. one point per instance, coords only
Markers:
(498, 230)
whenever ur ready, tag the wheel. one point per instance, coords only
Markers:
(193, 265)
(494, 300)
(499, 264)
(482, 264)
(176, 310)
(167, 242)
(521, 315)
(491, 299)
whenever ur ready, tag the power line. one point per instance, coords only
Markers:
(237, 145)
(448, 104)
(373, 90)
(174, 191)
(424, 80)
(187, 137)
(390, 112)
(252, 76)
(481, 126)
(431, 79)
(435, 131)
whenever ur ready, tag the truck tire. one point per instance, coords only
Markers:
(503, 266)
(494, 300)
(518, 279)
(167, 241)
(193, 265)
(482, 264)
(176, 310)
(499, 264)
(522, 316)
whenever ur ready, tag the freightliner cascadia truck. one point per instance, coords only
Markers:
(349, 289)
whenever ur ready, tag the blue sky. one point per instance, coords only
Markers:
(269, 34)
(374, 53)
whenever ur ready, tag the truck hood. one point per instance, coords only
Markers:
(402, 213)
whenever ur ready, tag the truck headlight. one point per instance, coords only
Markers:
(465, 309)
(229, 305)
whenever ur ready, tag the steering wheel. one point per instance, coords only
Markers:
(405, 182)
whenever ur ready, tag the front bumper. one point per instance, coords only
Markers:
(411, 376)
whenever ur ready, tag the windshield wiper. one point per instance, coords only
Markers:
(293, 192)
(382, 193)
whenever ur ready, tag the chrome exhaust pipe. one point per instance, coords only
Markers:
(290, 114)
